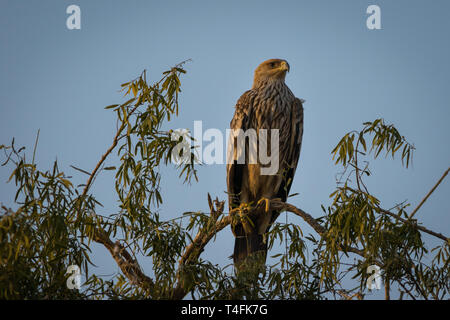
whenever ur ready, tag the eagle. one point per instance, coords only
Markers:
(268, 105)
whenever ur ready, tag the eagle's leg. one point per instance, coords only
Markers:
(250, 239)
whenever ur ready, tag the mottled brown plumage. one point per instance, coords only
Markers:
(270, 104)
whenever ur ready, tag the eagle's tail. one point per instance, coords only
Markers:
(251, 244)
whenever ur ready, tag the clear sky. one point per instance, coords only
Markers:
(59, 81)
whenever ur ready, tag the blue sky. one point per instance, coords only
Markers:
(59, 80)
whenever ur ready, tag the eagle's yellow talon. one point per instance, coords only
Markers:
(267, 201)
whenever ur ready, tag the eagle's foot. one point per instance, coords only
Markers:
(265, 201)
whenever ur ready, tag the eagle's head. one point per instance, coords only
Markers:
(271, 70)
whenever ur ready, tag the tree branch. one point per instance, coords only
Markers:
(279, 205)
(429, 194)
(193, 250)
(125, 261)
(423, 229)
(131, 269)
(387, 289)
(107, 153)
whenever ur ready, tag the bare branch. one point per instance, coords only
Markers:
(429, 193)
(106, 154)
(194, 249)
(279, 205)
(125, 261)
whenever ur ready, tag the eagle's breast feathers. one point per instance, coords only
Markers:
(269, 105)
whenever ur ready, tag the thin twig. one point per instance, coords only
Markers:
(429, 193)
(423, 229)
(406, 290)
(35, 145)
(125, 261)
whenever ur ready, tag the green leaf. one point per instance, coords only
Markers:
(66, 182)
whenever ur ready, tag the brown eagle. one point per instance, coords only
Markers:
(270, 104)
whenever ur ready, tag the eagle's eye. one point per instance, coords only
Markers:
(273, 64)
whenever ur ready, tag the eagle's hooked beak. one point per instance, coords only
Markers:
(284, 66)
